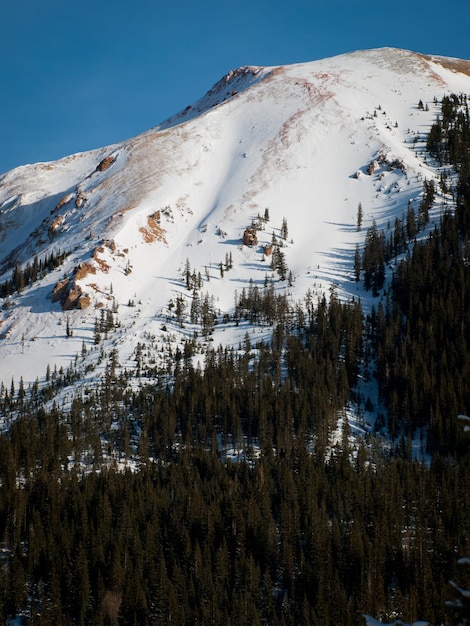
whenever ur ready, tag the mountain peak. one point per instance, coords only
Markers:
(231, 84)
(295, 140)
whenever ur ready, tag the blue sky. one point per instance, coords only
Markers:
(77, 74)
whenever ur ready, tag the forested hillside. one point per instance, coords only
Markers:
(423, 330)
(124, 506)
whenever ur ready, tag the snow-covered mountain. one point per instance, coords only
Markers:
(303, 145)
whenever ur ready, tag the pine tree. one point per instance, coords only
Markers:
(284, 229)
(357, 264)
(359, 217)
(180, 309)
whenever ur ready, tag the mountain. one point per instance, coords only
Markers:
(290, 152)
(279, 267)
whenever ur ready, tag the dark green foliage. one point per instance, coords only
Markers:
(189, 538)
(359, 217)
(373, 259)
(423, 354)
(287, 540)
(22, 277)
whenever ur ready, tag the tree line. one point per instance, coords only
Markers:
(22, 277)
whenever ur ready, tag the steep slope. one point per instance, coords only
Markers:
(297, 141)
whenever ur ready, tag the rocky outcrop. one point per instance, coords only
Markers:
(84, 301)
(59, 220)
(70, 295)
(83, 270)
(384, 160)
(372, 167)
(105, 164)
(80, 200)
(65, 200)
(249, 236)
(60, 290)
(70, 300)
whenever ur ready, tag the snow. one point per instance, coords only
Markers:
(294, 139)
(370, 621)
(466, 420)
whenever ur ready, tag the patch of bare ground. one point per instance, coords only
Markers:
(103, 266)
(456, 65)
(56, 224)
(96, 289)
(105, 163)
(84, 269)
(153, 231)
(181, 203)
(65, 200)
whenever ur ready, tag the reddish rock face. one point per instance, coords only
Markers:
(104, 164)
(249, 237)
(60, 290)
(84, 301)
(71, 299)
(70, 296)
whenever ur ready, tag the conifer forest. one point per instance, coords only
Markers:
(296, 530)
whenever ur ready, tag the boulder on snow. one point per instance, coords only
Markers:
(372, 167)
(249, 236)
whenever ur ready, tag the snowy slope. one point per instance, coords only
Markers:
(297, 140)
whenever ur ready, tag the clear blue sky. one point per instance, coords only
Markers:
(81, 74)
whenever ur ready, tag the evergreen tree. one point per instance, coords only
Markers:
(359, 217)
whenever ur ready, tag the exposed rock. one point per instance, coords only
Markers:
(84, 301)
(84, 269)
(372, 167)
(153, 231)
(72, 298)
(70, 295)
(105, 163)
(60, 290)
(249, 237)
(65, 200)
(111, 245)
(397, 163)
(59, 220)
(80, 200)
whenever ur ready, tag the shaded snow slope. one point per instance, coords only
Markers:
(296, 140)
